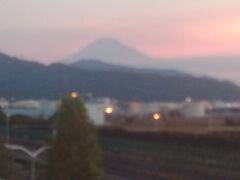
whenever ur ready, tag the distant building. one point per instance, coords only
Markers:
(149, 108)
(26, 104)
(46, 109)
(196, 109)
(32, 108)
(224, 113)
(4, 103)
(96, 110)
(96, 113)
(134, 109)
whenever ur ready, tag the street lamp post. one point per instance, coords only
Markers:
(7, 128)
(33, 169)
(32, 154)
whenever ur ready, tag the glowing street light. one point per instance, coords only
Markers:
(74, 95)
(108, 110)
(188, 99)
(156, 116)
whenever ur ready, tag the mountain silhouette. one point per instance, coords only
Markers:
(100, 65)
(23, 80)
(112, 51)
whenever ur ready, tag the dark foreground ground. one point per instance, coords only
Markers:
(163, 155)
(172, 156)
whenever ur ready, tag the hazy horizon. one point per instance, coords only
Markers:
(112, 51)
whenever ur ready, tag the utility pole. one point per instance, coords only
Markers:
(7, 128)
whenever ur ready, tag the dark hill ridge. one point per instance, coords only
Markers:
(22, 79)
(90, 64)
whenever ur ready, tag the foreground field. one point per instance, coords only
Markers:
(172, 155)
(166, 152)
(182, 125)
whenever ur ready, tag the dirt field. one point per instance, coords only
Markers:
(181, 125)
(171, 155)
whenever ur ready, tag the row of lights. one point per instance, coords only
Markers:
(156, 116)
(109, 110)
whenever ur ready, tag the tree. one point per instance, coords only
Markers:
(74, 152)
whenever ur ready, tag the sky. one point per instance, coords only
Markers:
(49, 30)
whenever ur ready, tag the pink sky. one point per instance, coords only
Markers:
(47, 31)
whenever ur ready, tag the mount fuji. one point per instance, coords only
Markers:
(114, 52)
